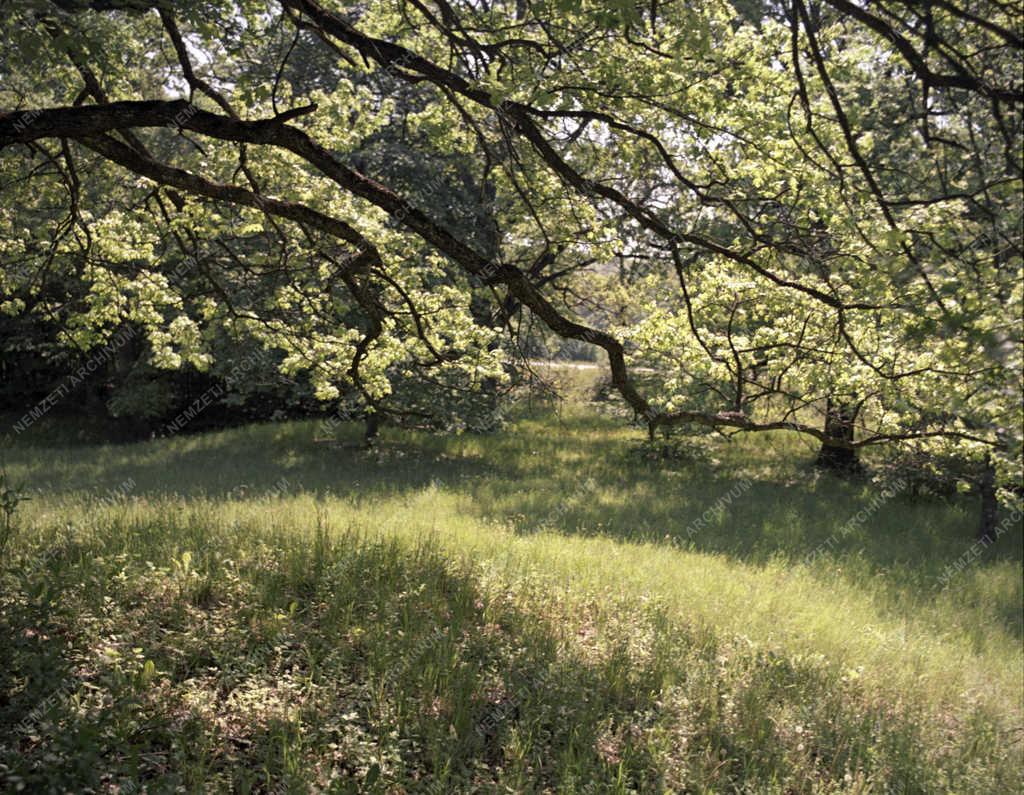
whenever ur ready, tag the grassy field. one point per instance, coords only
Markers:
(552, 608)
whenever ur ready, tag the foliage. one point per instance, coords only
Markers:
(774, 206)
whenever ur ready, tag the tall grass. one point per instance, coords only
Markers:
(551, 608)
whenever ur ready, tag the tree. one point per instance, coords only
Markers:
(818, 207)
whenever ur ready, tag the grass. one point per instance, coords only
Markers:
(553, 608)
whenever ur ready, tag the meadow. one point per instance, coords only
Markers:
(555, 607)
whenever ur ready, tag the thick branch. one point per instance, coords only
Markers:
(71, 122)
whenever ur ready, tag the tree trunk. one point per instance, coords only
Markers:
(835, 456)
(372, 428)
(989, 505)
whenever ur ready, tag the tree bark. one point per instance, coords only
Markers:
(989, 504)
(835, 453)
(372, 428)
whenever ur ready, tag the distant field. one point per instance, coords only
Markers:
(552, 608)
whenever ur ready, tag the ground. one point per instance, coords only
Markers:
(556, 607)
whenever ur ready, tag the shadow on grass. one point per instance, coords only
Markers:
(752, 500)
(287, 668)
(334, 664)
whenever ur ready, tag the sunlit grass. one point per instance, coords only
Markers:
(558, 543)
